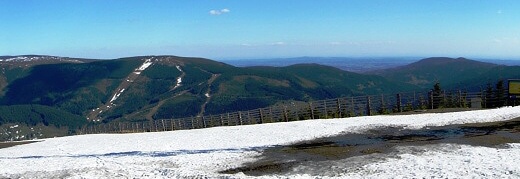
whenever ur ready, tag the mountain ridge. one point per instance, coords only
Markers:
(158, 87)
(424, 73)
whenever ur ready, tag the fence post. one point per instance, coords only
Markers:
(414, 103)
(286, 118)
(229, 120)
(353, 106)
(399, 108)
(338, 102)
(444, 101)
(312, 110)
(163, 126)
(261, 116)
(325, 109)
(240, 117)
(383, 109)
(369, 111)
(431, 99)
(270, 114)
(460, 99)
(249, 117)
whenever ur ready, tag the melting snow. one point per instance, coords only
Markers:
(201, 153)
(179, 79)
(145, 65)
(117, 95)
(29, 59)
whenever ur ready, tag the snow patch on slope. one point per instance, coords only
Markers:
(147, 63)
(116, 96)
(37, 58)
(179, 79)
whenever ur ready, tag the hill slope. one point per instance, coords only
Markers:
(157, 87)
(448, 71)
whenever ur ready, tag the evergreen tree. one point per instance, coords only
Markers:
(499, 94)
(488, 97)
(436, 95)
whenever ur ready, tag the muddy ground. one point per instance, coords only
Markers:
(378, 143)
(11, 144)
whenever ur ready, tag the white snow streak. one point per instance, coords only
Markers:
(137, 71)
(179, 79)
(117, 95)
(145, 65)
(203, 152)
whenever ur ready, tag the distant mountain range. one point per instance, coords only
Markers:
(452, 73)
(352, 64)
(158, 87)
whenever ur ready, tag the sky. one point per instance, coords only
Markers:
(242, 29)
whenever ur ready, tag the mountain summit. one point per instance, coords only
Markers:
(424, 73)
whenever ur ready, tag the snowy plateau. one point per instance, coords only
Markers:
(203, 153)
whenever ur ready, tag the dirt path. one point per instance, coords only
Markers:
(154, 110)
(93, 115)
(208, 94)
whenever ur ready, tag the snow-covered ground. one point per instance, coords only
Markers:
(203, 152)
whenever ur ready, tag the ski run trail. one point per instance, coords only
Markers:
(203, 153)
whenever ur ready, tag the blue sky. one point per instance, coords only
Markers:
(221, 29)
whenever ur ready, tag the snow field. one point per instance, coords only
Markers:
(204, 152)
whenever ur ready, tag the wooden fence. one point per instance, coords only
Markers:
(293, 111)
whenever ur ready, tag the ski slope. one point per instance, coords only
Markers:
(205, 152)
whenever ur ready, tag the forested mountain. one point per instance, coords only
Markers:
(159, 87)
(452, 73)
(426, 72)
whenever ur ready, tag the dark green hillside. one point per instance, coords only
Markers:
(53, 83)
(154, 95)
(492, 76)
(253, 87)
(210, 87)
(360, 84)
(426, 72)
(37, 114)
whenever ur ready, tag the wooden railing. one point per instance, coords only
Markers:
(293, 111)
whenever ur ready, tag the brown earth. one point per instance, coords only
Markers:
(11, 144)
(282, 159)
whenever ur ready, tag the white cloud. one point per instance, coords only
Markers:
(278, 43)
(219, 12)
